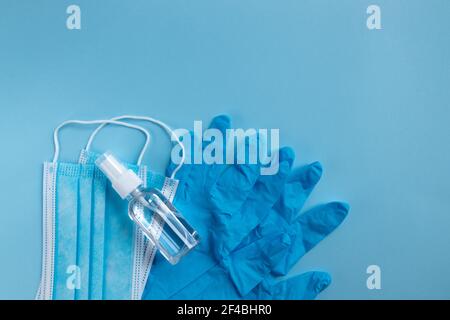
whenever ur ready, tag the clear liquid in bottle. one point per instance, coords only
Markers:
(161, 222)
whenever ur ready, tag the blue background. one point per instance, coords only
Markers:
(372, 106)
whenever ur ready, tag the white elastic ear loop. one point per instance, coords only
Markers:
(168, 130)
(89, 122)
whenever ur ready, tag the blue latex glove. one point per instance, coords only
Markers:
(223, 203)
(273, 248)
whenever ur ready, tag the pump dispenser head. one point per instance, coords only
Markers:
(123, 180)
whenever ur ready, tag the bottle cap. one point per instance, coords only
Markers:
(123, 180)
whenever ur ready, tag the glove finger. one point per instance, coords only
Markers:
(309, 229)
(305, 286)
(231, 229)
(198, 173)
(297, 190)
(213, 150)
(214, 140)
(220, 122)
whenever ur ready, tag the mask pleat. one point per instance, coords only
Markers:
(98, 237)
(67, 272)
(84, 229)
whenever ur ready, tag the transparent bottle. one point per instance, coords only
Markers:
(152, 212)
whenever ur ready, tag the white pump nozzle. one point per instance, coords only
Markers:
(123, 180)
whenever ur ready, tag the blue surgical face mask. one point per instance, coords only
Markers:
(91, 250)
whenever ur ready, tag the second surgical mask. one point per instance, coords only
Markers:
(91, 250)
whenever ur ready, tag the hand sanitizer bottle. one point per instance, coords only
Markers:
(171, 233)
